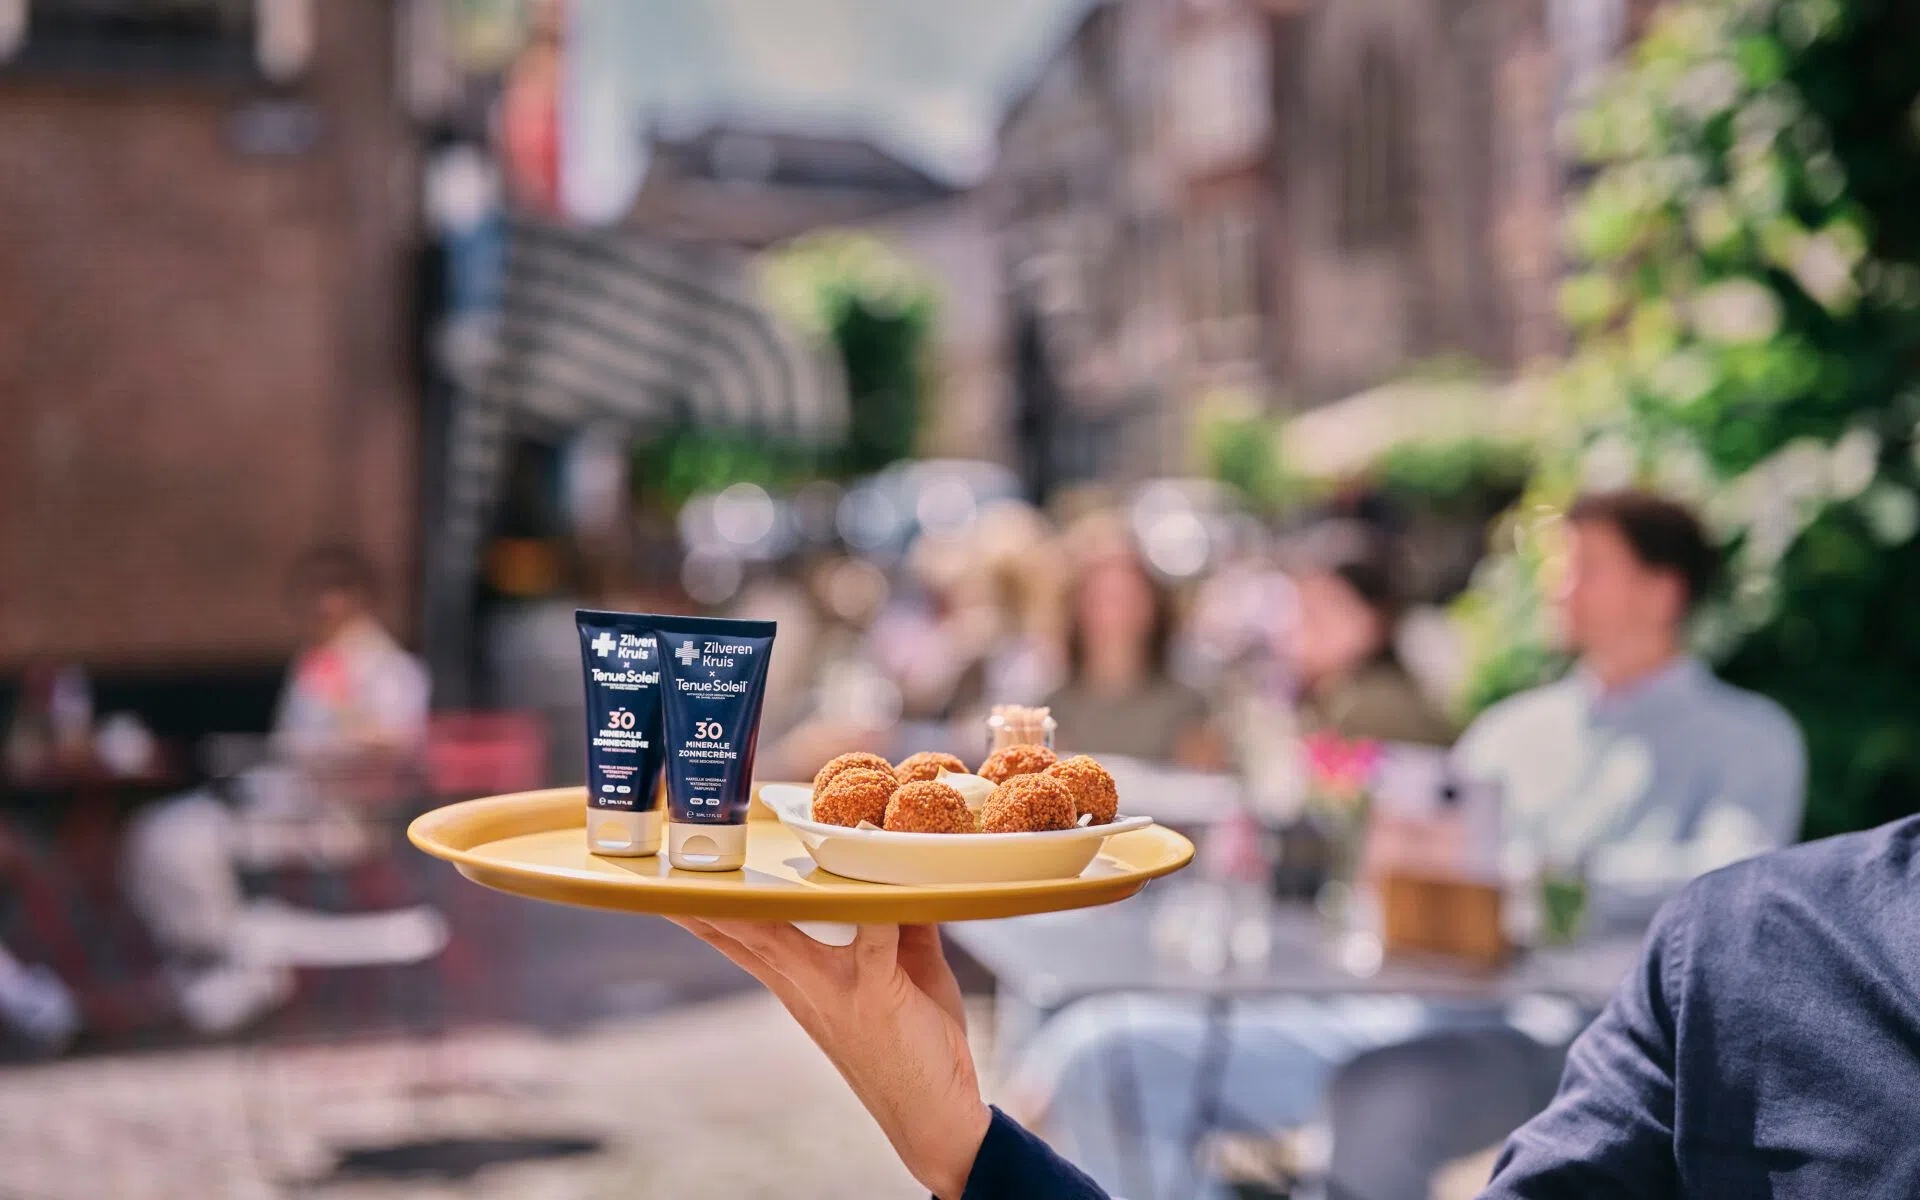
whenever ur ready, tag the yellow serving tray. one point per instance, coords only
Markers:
(534, 844)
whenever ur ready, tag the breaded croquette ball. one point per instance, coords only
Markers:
(928, 807)
(854, 795)
(927, 765)
(847, 762)
(1028, 804)
(1090, 785)
(1011, 761)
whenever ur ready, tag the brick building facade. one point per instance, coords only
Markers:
(1081, 198)
(204, 362)
(1283, 202)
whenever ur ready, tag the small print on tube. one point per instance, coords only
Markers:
(715, 673)
(620, 662)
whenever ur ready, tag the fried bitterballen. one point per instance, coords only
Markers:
(1028, 804)
(1090, 785)
(927, 765)
(928, 807)
(854, 795)
(1009, 762)
(847, 762)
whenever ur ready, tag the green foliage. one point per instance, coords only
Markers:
(1747, 327)
(1463, 474)
(1243, 452)
(880, 354)
(877, 312)
(684, 461)
(1471, 475)
(874, 314)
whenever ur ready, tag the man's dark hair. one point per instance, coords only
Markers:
(334, 569)
(1370, 576)
(1664, 535)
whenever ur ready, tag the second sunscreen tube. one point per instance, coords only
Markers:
(715, 676)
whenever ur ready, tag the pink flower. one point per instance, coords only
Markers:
(1341, 767)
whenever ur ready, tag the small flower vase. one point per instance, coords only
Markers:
(1340, 774)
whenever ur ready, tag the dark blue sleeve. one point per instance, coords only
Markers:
(1609, 1131)
(1015, 1165)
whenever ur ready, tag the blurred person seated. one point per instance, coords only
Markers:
(353, 715)
(1120, 697)
(1641, 768)
(933, 641)
(1637, 772)
(918, 667)
(1352, 682)
(837, 698)
(346, 744)
(1321, 652)
(1027, 658)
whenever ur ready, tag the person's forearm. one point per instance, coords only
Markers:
(929, 1108)
(888, 1014)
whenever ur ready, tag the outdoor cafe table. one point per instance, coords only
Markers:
(1050, 960)
(1041, 964)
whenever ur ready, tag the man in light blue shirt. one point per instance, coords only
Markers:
(1641, 770)
(1644, 785)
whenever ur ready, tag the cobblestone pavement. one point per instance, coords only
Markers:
(720, 1099)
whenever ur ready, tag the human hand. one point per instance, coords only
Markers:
(886, 1010)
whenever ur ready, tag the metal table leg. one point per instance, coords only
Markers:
(1210, 1073)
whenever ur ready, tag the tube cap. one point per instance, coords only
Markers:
(621, 833)
(692, 847)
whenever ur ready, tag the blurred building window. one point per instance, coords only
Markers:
(1376, 164)
(1142, 67)
(13, 27)
(1220, 97)
(1223, 256)
(273, 38)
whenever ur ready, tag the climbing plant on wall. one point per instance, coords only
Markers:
(1746, 331)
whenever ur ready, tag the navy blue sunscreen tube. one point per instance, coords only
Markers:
(716, 680)
(620, 662)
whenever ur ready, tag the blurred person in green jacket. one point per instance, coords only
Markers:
(1352, 682)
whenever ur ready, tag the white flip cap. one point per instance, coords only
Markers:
(619, 833)
(692, 847)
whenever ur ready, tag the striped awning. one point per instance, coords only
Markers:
(612, 325)
(605, 327)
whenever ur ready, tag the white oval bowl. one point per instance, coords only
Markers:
(932, 859)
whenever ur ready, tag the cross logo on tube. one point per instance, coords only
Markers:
(688, 654)
(603, 645)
